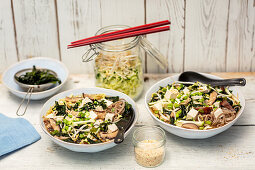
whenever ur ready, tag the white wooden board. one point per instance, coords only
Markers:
(8, 53)
(214, 35)
(170, 43)
(36, 29)
(123, 12)
(81, 19)
(233, 149)
(205, 31)
(77, 20)
(241, 36)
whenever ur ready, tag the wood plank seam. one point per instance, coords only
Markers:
(246, 12)
(145, 22)
(57, 25)
(15, 33)
(240, 54)
(168, 42)
(100, 5)
(226, 42)
(184, 42)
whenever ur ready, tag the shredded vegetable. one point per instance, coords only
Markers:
(120, 71)
(194, 106)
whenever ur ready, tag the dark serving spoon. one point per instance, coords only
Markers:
(123, 126)
(191, 76)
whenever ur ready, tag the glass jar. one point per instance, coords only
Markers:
(118, 63)
(149, 146)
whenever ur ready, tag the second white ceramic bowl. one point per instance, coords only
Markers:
(86, 147)
(42, 62)
(190, 133)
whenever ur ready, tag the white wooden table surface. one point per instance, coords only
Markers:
(232, 149)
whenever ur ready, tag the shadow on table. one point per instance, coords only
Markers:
(178, 144)
(227, 138)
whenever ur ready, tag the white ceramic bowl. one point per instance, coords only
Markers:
(190, 133)
(86, 147)
(43, 62)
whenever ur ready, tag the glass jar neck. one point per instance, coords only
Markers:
(116, 45)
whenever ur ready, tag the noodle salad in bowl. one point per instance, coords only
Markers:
(197, 106)
(194, 110)
(87, 119)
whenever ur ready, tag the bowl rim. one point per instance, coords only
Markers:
(191, 130)
(35, 58)
(136, 112)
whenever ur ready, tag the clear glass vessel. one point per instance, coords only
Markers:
(149, 146)
(118, 63)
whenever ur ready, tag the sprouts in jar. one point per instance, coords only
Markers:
(120, 71)
(118, 65)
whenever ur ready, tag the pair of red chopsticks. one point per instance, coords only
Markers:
(125, 33)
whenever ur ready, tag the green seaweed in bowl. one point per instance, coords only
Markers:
(38, 77)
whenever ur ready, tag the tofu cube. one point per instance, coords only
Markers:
(84, 101)
(171, 94)
(204, 89)
(218, 112)
(158, 106)
(108, 102)
(216, 104)
(98, 122)
(112, 128)
(92, 115)
(192, 114)
(186, 90)
(109, 117)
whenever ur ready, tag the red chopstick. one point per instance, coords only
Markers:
(119, 36)
(137, 28)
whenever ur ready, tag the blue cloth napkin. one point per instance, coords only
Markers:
(15, 133)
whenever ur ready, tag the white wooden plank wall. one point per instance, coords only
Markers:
(36, 28)
(77, 19)
(8, 53)
(241, 36)
(123, 12)
(170, 43)
(206, 35)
